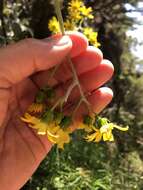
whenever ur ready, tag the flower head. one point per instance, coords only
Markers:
(86, 12)
(53, 25)
(98, 128)
(104, 132)
(69, 25)
(92, 36)
(74, 10)
(54, 132)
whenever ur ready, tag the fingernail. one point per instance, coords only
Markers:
(65, 40)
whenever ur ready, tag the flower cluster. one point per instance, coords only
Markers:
(78, 11)
(55, 125)
(76, 19)
(58, 127)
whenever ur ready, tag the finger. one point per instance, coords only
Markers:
(79, 42)
(97, 77)
(86, 61)
(20, 60)
(90, 80)
(98, 100)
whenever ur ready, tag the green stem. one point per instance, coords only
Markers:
(75, 77)
(53, 72)
(84, 99)
(59, 15)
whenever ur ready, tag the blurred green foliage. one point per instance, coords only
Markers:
(89, 166)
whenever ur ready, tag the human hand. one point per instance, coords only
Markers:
(21, 150)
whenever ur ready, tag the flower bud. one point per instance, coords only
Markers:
(48, 116)
(87, 120)
(58, 116)
(40, 97)
(66, 121)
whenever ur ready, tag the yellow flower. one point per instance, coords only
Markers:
(104, 132)
(36, 108)
(91, 35)
(96, 136)
(86, 12)
(74, 10)
(75, 5)
(59, 137)
(69, 25)
(35, 123)
(30, 119)
(53, 25)
(55, 133)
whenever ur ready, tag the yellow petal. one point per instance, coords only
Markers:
(111, 138)
(30, 119)
(53, 128)
(98, 137)
(105, 138)
(52, 139)
(109, 133)
(52, 135)
(121, 128)
(91, 137)
(63, 136)
(42, 131)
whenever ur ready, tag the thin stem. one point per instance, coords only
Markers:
(53, 72)
(65, 97)
(84, 99)
(59, 15)
(71, 87)
(75, 77)
(59, 101)
(77, 107)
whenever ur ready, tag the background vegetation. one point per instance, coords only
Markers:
(89, 166)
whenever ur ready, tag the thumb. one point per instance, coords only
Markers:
(19, 61)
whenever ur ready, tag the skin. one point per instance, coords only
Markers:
(23, 67)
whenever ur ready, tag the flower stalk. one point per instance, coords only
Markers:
(75, 77)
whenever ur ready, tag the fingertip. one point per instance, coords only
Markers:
(101, 98)
(108, 65)
(106, 93)
(79, 43)
(95, 51)
(98, 100)
(62, 48)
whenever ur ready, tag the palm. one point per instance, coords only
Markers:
(21, 149)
